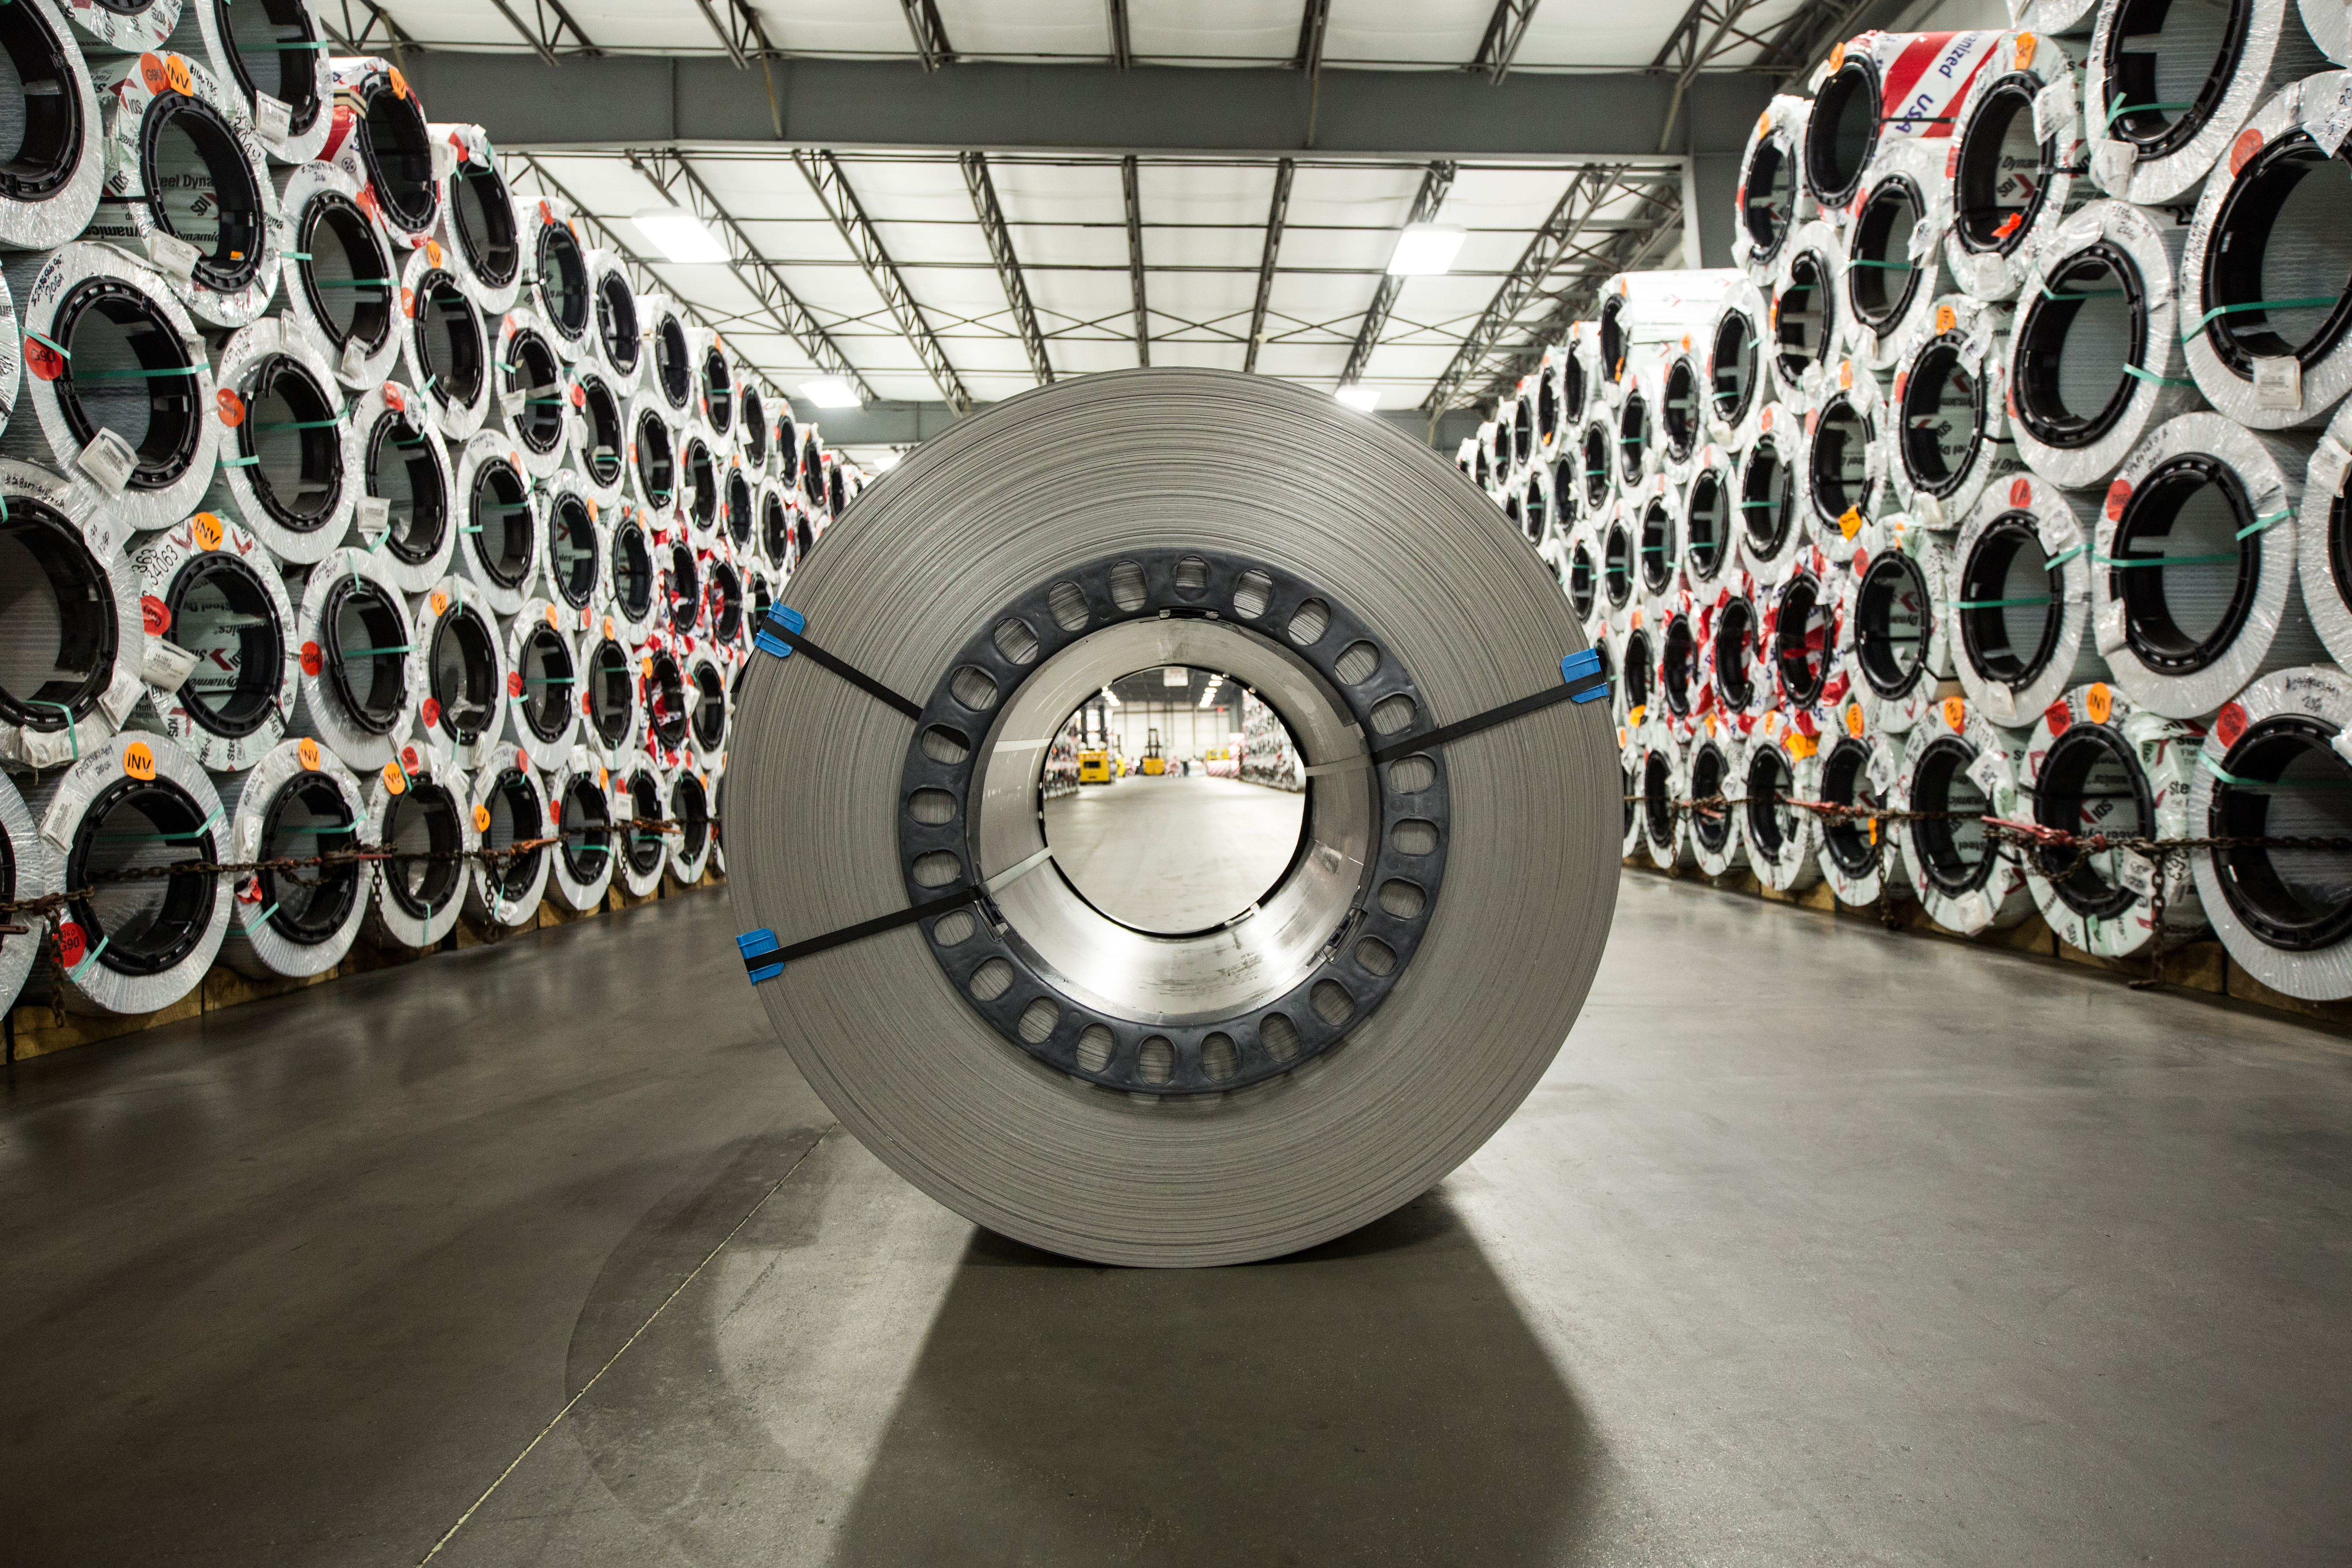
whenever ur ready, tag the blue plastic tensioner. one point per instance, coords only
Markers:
(1585, 666)
(768, 642)
(755, 945)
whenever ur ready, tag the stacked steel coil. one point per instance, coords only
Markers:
(315, 529)
(2014, 488)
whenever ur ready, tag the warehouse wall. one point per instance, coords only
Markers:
(1186, 730)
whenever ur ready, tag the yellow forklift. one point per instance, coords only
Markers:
(1095, 765)
(1154, 764)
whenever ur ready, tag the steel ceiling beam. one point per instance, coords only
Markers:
(1277, 213)
(930, 33)
(1809, 32)
(678, 183)
(824, 173)
(544, 32)
(1435, 183)
(1312, 26)
(1122, 45)
(1500, 44)
(1709, 31)
(355, 39)
(990, 213)
(1128, 188)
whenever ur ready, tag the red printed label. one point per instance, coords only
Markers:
(2117, 494)
(43, 360)
(231, 406)
(2245, 149)
(2229, 723)
(155, 614)
(72, 944)
(2057, 716)
(2021, 492)
(431, 713)
(310, 662)
(514, 683)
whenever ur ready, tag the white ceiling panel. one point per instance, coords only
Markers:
(821, 26)
(1423, 32)
(1031, 29)
(1208, 32)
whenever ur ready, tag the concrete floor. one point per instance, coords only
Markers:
(1173, 854)
(1819, 1245)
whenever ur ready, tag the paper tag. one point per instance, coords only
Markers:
(2112, 163)
(273, 118)
(2278, 383)
(2107, 628)
(165, 665)
(173, 256)
(1991, 772)
(374, 520)
(513, 402)
(353, 364)
(108, 460)
(2135, 874)
(2326, 122)
(2054, 110)
(2328, 461)
(445, 158)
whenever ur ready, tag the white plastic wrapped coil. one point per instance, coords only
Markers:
(117, 380)
(480, 232)
(633, 573)
(61, 165)
(1882, 87)
(1774, 201)
(1949, 433)
(1893, 633)
(1894, 247)
(460, 677)
(1806, 319)
(2068, 18)
(133, 802)
(1559, 400)
(1682, 421)
(640, 797)
(723, 592)
(1595, 459)
(407, 519)
(2095, 355)
(511, 806)
(297, 801)
(1732, 362)
(1635, 831)
(1800, 638)
(1860, 859)
(719, 377)
(755, 433)
(543, 684)
(1732, 668)
(532, 393)
(413, 810)
(1488, 468)
(1783, 842)
(2268, 304)
(1655, 511)
(2324, 539)
(1618, 547)
(773, 532)
(28, 870)
(654, 456)
(76, 640)
(580, 802)
(612, 714)
(361, 668)
(2194, 582)
(620, 347)
(2273, 766)
(127, 27)
(1710, 518)
(1960, 764)
(599, 440)
(576, 551)
(2167, 89)
(2020, 600)
(558, 288)
(682, 580)
(2097, 764)
(701, 487)
(2017, 159)
(290, 458)
(1847, 460)
(739, 509)
(1664, 785)
(221, 665)
(669, 367)
(1718, 837)
(273, 59)
(340, 275)
(379, 137)
(1644, 315)
(445, 343)
(694, 839)
(499, 544)
(1581, 581)
(668, 698)
(1771, 503)
(1676, 677)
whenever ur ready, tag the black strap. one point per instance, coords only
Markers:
(841, 668)
(1476, 722)
(963, 893)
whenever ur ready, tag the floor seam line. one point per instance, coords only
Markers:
(557, 1419)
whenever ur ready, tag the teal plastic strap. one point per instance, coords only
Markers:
(1995, 604)
(55, 348)
(2064, 556)
(2219, 310)
(2118, 110)
(73, 730)
(79, 970)
(2205, 761)
(2150, 376)
(2264, 522)
(2124, 560)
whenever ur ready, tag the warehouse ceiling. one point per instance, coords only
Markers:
(934, 277)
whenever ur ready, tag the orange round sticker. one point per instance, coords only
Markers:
(155, 614)
(523, 760)
(1956, 713)
(399, 82)
(175, 75)
(603, 778)
(2025, 47)
(205, 528)
(608, 625)
(312, 660)
(1945, 320)
(1854, 719)
(152, 72)
(409, 303)
(42, 360)
(481, 818)
(2098, 702)
(395, 781)
(439, 601)
(305, 752)
(433, 253)
(552, 621)
(139, 760)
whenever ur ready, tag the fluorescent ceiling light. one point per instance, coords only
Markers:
(680, 235)
(1110, 697)
(1423, 249)
(830, 391)
(1364, 397)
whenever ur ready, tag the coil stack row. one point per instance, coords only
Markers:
(351, 503)
(2003, 482)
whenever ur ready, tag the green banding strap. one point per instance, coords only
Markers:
(1758, 505)
(351, 282)
(299, 425)
(262, 917)
(469, 528)
(542, 400)
(547, 681)
(132, 375)
(2219, 311)
(505, 366)
(2154, 380)
(2121, 561)
(2264, 522)
(362, 652)
(2086, 294)
(294, 256)
(73, 730)
(1995, 604)
(240, 462)
(2206, 761)
(2064, 556)
(1887, 265)
(2120, 109)
(55, 348)
(76, 973)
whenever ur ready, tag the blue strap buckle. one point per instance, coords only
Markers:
(755, 945)
(1584, 666)
(786, 617)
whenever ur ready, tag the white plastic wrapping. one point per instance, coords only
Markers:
(1770, 501)
(2020, 600)
(290, 462)
(600, 435)
(641, 795)
(1663, 782)
(480, 231)
(1883, 88)
(1719, 835)
(1893, 633)
(621, 349)
(416, 810)
(1960, 764)
(1846, 459)
(463, 680)
(1736, 681)
(1782, 841)
(1710, 520)
(340, 275)
(1895, 250)
(1774, 200)
(29, 870)
(543, 684)
(221, 662)
(408, 518)
(532, 393)
(378, 136)
(362, 674)
(297, 801)
(62, 164)
(1806, 319)
(1860, 859)
(2209, 68)
(2324, 539)
(445, 343)
(1947, 416)
(1732, 365)
(1642, 313)
(558, 288)
(500, 540)
(510, 806)
(580, 803)
(76, 631)
(2016, 161)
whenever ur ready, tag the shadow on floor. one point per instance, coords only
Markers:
(1377, 1399)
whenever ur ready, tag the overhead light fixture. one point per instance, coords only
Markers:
(1209, 697)
(1364, 397)
(830, 391)
(680, 235)
(1425, 249)
(1110, 697)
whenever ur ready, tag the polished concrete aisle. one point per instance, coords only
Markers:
(1173, 854)
(1817, 1245)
